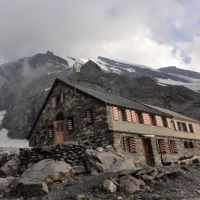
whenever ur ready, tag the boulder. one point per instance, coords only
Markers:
(102, 162)
(109, 186)
(35, 179)
(11, 167)
(31, 189)
(5, 182)
(130, 184)
(48, 170)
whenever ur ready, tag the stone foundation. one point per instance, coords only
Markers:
(72, 154)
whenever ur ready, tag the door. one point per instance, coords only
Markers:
(59, 136)
(148, 152)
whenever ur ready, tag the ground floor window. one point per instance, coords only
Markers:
(173, 146)
(188, 145)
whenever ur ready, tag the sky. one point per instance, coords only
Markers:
(156, 33)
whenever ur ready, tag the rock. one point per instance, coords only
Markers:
(109, 186)
(129, 184)
(31, 189)
(48, 170)
(11, 167)
(198, 191)
(101, 162)
(160, 175)
(100, 149)
(79, 169)
(155, 196)
(81, 197)
(148, 177)
(154, 174)
(4, 183)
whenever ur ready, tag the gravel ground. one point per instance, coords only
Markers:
(184, 185)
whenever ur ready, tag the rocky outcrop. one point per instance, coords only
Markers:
(102, 162)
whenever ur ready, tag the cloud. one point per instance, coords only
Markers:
(155, 33)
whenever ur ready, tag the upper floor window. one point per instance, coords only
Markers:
(153, 120)
(191, 129)
(140, 118)
(179, 126)
(165, 122)
(123, 115)
(184, 127)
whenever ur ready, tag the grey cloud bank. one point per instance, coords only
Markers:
(156, 33)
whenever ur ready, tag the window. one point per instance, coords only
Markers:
(191, 145)
(188, 145)
(153, 120)
(89, 116)
(140, 118)
(123, 115)
(58, 100)
(165, 123)
(191, 129)
(70, 123)
(184, 127)
(179, 126)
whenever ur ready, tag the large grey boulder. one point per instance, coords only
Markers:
(48, 170)
(34, 181)
(102, 162)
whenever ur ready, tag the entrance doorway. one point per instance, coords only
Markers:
(58, 124)
(148, 152)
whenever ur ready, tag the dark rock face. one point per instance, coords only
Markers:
(24, 85)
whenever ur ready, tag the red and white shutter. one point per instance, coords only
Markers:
(115, 113)
(70, 124)
(132, 145)
(128, 115)
(133, 116)
(89, 116)
(173, 146)
(146, 118)
(50, 132)
(161, 146)
(159, 121)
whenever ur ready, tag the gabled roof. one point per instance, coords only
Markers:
(172, 113)
(111, 99)
(104, 97)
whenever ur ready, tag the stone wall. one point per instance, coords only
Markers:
(71, 154)
(167, 157)
(75, 104)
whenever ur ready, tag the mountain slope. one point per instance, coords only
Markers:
(24, 84)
